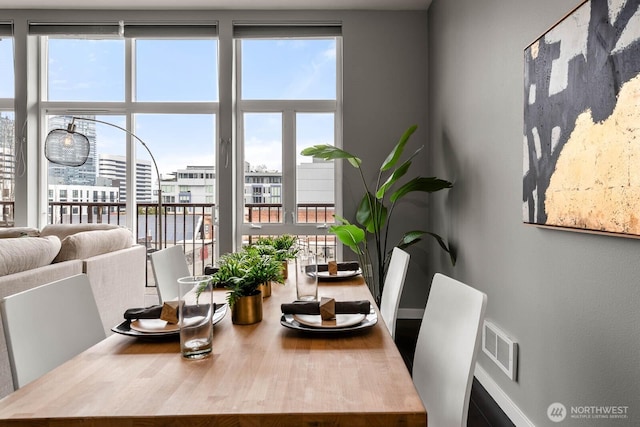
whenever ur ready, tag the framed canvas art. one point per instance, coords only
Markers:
(581, 156)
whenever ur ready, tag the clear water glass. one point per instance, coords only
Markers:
(306, 276)
(195, 313)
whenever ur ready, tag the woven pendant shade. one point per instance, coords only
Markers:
(66, 148)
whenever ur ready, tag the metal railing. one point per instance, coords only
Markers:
(6, 214)
(191, 225)
(324, 245)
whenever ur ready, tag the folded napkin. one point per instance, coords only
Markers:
(313, 307)
(155, 312)
(152, 312)
(342, 266)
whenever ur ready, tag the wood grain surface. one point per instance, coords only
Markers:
(259, 375)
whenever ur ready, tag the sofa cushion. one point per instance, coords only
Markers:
(12, 232)
(64, 230)
(21, 254)
(86, 244)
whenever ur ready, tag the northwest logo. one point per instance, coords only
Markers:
(556, 412)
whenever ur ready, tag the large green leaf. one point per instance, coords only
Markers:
(372, 220)
(329, 152)
(395, 154)
(428, 185)
(410, 238)
(349, 235)
(396, 175)
(415, 236)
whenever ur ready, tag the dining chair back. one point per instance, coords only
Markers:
(392, 290)
(168, 266)
(446, 350)
(48, 325)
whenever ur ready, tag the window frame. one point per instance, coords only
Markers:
(129, 108)
(288, 110)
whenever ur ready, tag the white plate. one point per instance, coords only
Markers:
(341, 321)
(341, 274)
(153, 326)
(288, 321)
(158, 330)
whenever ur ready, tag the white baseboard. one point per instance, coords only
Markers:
(504, 402)
(410, 313)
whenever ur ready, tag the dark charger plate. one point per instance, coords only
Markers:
(288, 321)
(124, 328)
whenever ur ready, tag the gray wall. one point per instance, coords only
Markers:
(385, 92)
(569, 299)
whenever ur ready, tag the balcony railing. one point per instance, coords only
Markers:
(191, 226)
(323, 244)
(6, 214)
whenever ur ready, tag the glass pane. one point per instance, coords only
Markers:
(315, 177)
(263, 167)
(101, 179)
(85, 70)
(176, 70)
(6, 68)
(289, 69)
(7, 167)
(183, 146)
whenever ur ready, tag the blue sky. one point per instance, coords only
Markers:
(6, 68)
(179, 70)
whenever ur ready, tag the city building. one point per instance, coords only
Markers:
(114, 167)
(194, 184)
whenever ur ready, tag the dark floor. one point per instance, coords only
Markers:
(483, 411)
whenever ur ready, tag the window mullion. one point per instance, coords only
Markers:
(227, 203)
(289, 173)
(129, 85)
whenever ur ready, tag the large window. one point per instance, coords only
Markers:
(9, 156)
(159, 83)
(288, 99)
(172, 87)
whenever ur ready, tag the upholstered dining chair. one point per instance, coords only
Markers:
(168, 266)
(446, 350)
(48, 325)
(392, 290)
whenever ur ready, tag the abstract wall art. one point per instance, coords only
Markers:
(581, 156)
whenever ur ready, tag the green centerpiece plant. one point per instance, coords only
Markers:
(242, 273)
(377, 206)
(284, 248)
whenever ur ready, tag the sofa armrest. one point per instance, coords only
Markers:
(117, 279)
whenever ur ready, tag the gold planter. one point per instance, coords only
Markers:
(265, 288)
(247, 310)
(285, 269)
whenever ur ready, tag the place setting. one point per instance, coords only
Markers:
(328, 315)
(159, 321)
(335, 271)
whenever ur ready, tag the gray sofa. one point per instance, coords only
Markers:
(115, 267)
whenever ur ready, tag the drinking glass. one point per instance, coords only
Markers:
(306, 276)
(195, 316)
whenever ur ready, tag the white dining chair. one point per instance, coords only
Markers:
(48, 325)
(392, 290)
(168, 266)
(446, 350)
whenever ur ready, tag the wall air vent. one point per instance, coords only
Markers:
(500, 348)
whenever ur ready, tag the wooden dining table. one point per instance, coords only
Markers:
(263, 374)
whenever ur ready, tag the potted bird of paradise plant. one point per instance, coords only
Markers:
(376, 208)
